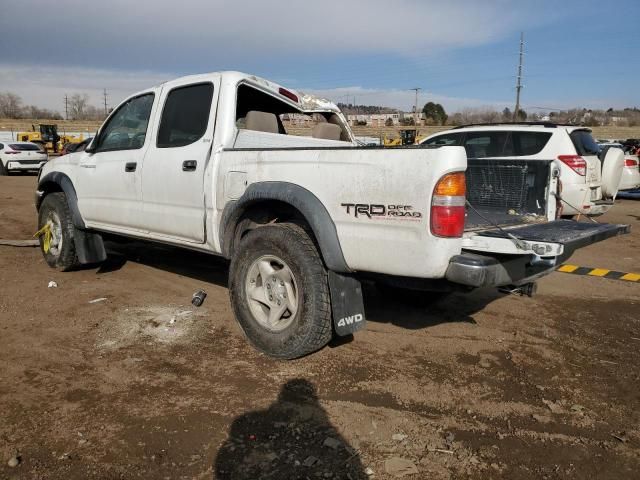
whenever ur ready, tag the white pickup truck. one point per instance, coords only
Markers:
(205, 162)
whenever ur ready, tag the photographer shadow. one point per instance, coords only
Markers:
(293, 438)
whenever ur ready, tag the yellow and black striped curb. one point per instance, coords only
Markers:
(599, 272)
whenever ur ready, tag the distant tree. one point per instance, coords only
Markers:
(10, 105)
(434, 112)
(522, 116)
(507, 116)
(389, 122)
(407, 121)
(77, 105)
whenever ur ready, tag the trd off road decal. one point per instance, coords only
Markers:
(380, 211)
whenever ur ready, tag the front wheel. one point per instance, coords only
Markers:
(279, 291)
(56, 227)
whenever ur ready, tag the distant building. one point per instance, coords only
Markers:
(374, 119)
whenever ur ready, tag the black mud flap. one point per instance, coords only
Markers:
(89, 246)
(346, 304)
(571, 234)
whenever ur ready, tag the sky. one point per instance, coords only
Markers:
(461, 53)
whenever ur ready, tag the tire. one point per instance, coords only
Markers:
(62, 253)
(3, 169)
(281, 259)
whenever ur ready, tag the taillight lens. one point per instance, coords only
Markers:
(447, 206)
(630, 162)
(575, 163)
(10, 152)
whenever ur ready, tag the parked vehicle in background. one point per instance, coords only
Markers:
(589, 183)
(76, 147)
(20, 157)
(205, 163)
(630, 179)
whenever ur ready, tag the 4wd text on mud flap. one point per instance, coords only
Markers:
(378, 210)
(343, 322)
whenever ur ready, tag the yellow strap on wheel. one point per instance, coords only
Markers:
(46, 231)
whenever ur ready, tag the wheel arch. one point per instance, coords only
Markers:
(271, 199)
(60, 182)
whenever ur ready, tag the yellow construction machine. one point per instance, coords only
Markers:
(408, 136)
(46, 135)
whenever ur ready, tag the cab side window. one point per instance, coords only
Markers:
(185, 115)
(127, 127)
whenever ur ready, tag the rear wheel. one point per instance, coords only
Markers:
(3, 169)
(279, 291)
(54, 216)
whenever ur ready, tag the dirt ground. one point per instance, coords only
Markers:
(143, 385)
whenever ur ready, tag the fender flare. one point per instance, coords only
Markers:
(64, 182)
(313, 210)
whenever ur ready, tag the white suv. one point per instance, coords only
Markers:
(589, 178)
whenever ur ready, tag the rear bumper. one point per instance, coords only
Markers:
(476, 270)
(630, 179)
(13, 165)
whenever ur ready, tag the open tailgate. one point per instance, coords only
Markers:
(513, 256)
(568, 233)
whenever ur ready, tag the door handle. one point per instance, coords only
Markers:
(189, 166)
(130, 166)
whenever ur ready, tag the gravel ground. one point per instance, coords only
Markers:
(141, 384)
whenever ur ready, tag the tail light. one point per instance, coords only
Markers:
(630, 162)
(447, 206)
(575, 163)
(10, 152)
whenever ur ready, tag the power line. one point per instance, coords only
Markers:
(66, 107)
(519, 79)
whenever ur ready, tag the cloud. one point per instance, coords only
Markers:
(46, 87)
(215, 34)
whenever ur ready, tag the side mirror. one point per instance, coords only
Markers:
(91, 148)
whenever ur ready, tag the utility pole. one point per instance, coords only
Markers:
(105, 102)
(66, 107)
(415, 108)
(519, 79)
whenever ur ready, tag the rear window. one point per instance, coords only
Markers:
(502, 143)
(185, 116)
(24, 147)
(529, 143)
(454, 139)
(488, 144)
(584, 142)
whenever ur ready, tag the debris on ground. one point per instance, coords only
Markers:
(20, 243)
(332, 443)
(309, 461)
(368, 471)
(555, 407)
(97, 300)
(198, 298)
(399, 467)
(52, 284)
(14, 461)
(621, 437)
